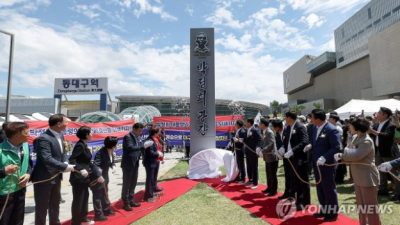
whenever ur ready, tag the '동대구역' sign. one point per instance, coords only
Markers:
(81, 86)
(202, 89)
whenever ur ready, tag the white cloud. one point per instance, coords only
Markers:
(329, 46)
(189, 10)
(313, 20)
(144, 6)
(4, 3)
(223, 16)
(86, 10)
(310, 6)
(44, 52)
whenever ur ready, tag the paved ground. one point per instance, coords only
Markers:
(115, 185)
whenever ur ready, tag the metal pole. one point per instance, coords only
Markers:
(10, 67)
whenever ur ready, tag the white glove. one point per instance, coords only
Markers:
(281, 151)
(385, 167)
(100, 179)
(321, 161)
(70, 168)
(288, 154)
(84, 173)
(100, 170)
(160, 154)
(278, 155)
(241, 140)
(338, 156)
(235, 139)
(66, 163)
(148, 144)
(307, 148)
(114, 169)
(258, 150)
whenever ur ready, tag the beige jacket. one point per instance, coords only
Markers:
(363, 176)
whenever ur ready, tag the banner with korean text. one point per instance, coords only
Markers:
(222, 123)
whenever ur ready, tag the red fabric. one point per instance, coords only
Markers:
(265, 207)
(159, 148)
(172, 189)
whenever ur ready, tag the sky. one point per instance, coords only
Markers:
(142, 46)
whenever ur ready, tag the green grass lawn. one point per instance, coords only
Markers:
(202, 200)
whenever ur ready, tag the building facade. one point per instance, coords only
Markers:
(172, 106)
(364, 66)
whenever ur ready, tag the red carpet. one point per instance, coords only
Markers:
(265, 207)
(172, 190)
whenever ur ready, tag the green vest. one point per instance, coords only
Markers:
(9, 157)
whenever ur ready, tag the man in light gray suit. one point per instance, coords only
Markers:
(268, 145)
(51, 160)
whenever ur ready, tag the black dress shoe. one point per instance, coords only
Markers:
(395, 198)
(103, 218)
(266, 190)
(383, 193)
(110, 213)
(85, 220)
(158, 190)
(272, 193)
(318, 215)
(127, 208)
(155, 195)
(283, 196)
(134, 204)
(331, 219)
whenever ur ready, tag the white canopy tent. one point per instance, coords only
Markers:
(370, 107)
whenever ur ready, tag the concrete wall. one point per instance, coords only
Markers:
(384, 50)
(339, 84)
(296, 76)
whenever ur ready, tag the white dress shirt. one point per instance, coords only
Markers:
(58, 136)
(319, 129)
(381, 124)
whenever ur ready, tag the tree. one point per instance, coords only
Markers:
(318, 105)
(329, 110)
(297, 108)
(274, 104)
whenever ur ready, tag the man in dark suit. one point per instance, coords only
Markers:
(240, 133)
(382, 134)
(296, 139)
(325, 144)
(51, 160)
(280, 130)
(131, 150)
(310, 130)
(271, 161)
(252, 141)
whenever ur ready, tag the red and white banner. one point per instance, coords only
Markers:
(222, 123)
(100, 130)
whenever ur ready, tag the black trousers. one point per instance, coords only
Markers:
(15, 209)
(289, 184)
(129, 181)
(252, 167)
(80, 202)
(100, 202)
(302, 190)
(47, 198)
(240, 164)
(156, 175)
(272, 180)
(149, 188)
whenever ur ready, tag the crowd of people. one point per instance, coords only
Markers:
(17, 169)
(312, 147)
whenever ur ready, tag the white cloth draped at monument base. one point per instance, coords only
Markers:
(206, 164)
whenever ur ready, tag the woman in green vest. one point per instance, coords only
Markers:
(15, 171)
